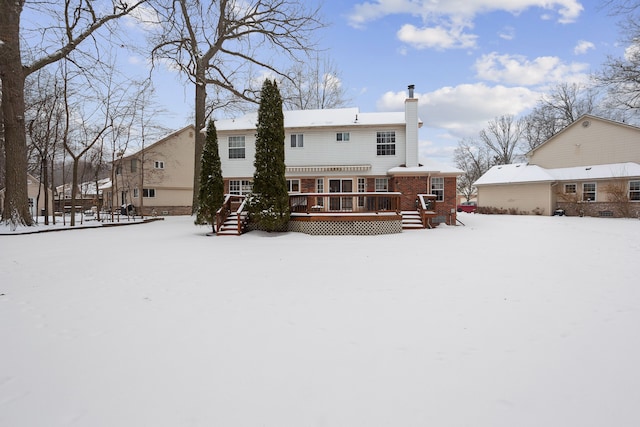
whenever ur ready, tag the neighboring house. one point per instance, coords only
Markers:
(592, 168)
(344, 151)
(88, 196)
(157, 179)
(36, 193)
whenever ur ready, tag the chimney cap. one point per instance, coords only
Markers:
(411, 88)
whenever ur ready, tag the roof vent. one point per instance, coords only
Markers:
(586, 124)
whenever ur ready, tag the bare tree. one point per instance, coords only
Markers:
(502, 137)
(65, 26)
(313, 84)
(226, 44)
(474, 159)
(563, 105)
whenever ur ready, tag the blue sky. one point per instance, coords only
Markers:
(471, 60)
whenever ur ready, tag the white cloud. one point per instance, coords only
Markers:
(507, 33)
(565, 11)
(518, 70)
(436, 37)
(464, 109)
(583, 47)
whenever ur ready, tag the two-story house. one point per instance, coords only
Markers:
(590, 168)
(346, 153)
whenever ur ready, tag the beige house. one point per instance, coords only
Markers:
(36, 193)
(591, 168)
(156, 180)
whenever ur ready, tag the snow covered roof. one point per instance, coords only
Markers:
(316, 118)
(426, 167)
(521, 173)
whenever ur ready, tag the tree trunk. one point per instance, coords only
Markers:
(16, 206)
(201, 99)
(74, 190)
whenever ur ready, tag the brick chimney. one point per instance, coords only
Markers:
(411, 123)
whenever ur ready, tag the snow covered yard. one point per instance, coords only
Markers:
(509, 321)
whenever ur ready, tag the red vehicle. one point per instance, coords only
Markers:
(467, 207)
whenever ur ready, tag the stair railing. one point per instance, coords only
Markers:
(223, 213)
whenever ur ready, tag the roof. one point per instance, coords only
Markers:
(576, 123)
(158, 142)
(317, 118)
(520, 173)
(427, 166)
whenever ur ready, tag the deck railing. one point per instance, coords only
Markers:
(344, 203)
(231, 203)
(426, 208)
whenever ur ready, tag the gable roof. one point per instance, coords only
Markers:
(335, 117)
(520, 173)
(578, 122)
(160, 141)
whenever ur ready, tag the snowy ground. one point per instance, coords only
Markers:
(509, 321)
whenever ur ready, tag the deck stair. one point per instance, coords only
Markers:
(411, 220)
(231, 226)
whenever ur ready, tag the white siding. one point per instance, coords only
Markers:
(601, 142)
(523, 197)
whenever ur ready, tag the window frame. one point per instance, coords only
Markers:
(386, 143)
(239, 147)
(439, 192)
(575, 188)
(290, 186)
(148, 193)
(634, 189)
(585, 192)
(296, 140)
(243, 187)
(158, 164)
(343, 136)
(384, 188)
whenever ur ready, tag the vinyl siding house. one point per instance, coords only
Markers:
(36, 193)
(591, 168)
(157, 179)
(341, 164)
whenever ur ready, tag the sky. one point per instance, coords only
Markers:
(507, 321)
(470, 60)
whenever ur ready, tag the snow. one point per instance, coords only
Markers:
(509, 320)
(522, 172)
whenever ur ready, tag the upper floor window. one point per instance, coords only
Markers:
(148, 192)
(240, 187)
(118, 170)
(570, 188)
(158, 164)
(297, 140)
(293, 185)
(382, 184)
(437, 188)
(589, 192)
(342, 136)
(236, 147)
(634, 190)
(386, 143)
(134, 165)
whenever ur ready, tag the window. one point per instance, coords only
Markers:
(362, 188)
(149, 192)
(319, 189)
(589, 192)
(236, 147)
(134, 165)
(297, 140)
(342, 136)
(570, 188)
(136, 192)
(293, 185)
(634, 190)
(382, 184)
(240, 187)
(118, 170)
(340, 186)
(158, 164)
(386, 143)
(437, 188)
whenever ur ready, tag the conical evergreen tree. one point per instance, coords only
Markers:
(211, 190)
(269, 205)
